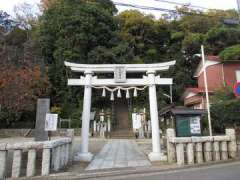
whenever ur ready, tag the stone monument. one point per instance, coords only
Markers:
(43, 107)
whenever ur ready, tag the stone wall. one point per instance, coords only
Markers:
(196, 150)
(55, 155)
(30, 132)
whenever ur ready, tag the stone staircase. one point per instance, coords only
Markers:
(122, 134)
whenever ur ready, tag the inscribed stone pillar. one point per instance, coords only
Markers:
(43, 107)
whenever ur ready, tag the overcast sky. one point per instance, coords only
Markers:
(7, 5)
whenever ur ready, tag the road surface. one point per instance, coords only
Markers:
(230, 171)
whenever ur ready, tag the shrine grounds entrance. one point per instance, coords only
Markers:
(115, 87)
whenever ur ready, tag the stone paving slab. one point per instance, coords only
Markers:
(119, 154)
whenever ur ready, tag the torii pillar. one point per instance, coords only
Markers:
(156, 154)
(84, 154)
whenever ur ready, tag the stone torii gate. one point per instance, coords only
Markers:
(120, 80)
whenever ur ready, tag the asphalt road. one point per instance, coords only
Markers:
(230, 171)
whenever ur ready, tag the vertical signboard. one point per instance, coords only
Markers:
(195, 125)
(51, 122)
(120, 74)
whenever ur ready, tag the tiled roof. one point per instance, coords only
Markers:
(195, 90)
(213, 58)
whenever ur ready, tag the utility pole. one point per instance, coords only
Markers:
(206, 91)
(238, 3)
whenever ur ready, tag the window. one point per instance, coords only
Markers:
(238, 75)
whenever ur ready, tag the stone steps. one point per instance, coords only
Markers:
(122, 134)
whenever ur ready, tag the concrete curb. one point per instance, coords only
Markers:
(130, 171)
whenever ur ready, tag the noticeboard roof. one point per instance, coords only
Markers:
(180, 110)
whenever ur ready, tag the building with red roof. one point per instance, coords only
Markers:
(219, 74)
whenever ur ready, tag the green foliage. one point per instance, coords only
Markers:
(231, 53)
(192, 42)
(225, 109)
(76, 31)
(222, 37)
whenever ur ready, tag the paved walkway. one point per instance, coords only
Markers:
(117, 154)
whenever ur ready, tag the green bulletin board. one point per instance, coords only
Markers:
(187, 126)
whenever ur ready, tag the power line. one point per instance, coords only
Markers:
(145, 7)
(175, 13)
(182, 4)
(159, 9)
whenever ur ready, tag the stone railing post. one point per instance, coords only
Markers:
(46, 156)
(70, 153)
(67, 153)
(208, 149)
(17, 162)
(180, 153)
(62, 154)
(3, 161)
(232, 145)
(56, 161)
(70, 146)
(216, 151)
(224, 152)
(199, 149)
(31, 163)
(65, 158)
(171, 152)
(190, 153)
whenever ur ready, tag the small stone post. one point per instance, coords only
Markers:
(56, 163)
(216, 151)
(232, 145)
(171, 152)
(149, 130)
(60, 156)
(3, 164)
(46, 161)
(67, 153)
(199, 153)
(224, 153)
(70, 133)
(109, 124)
(180, 153)
(17, 162)
(208, 151)
(190, 153)
(31, 163)
(94, 127)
